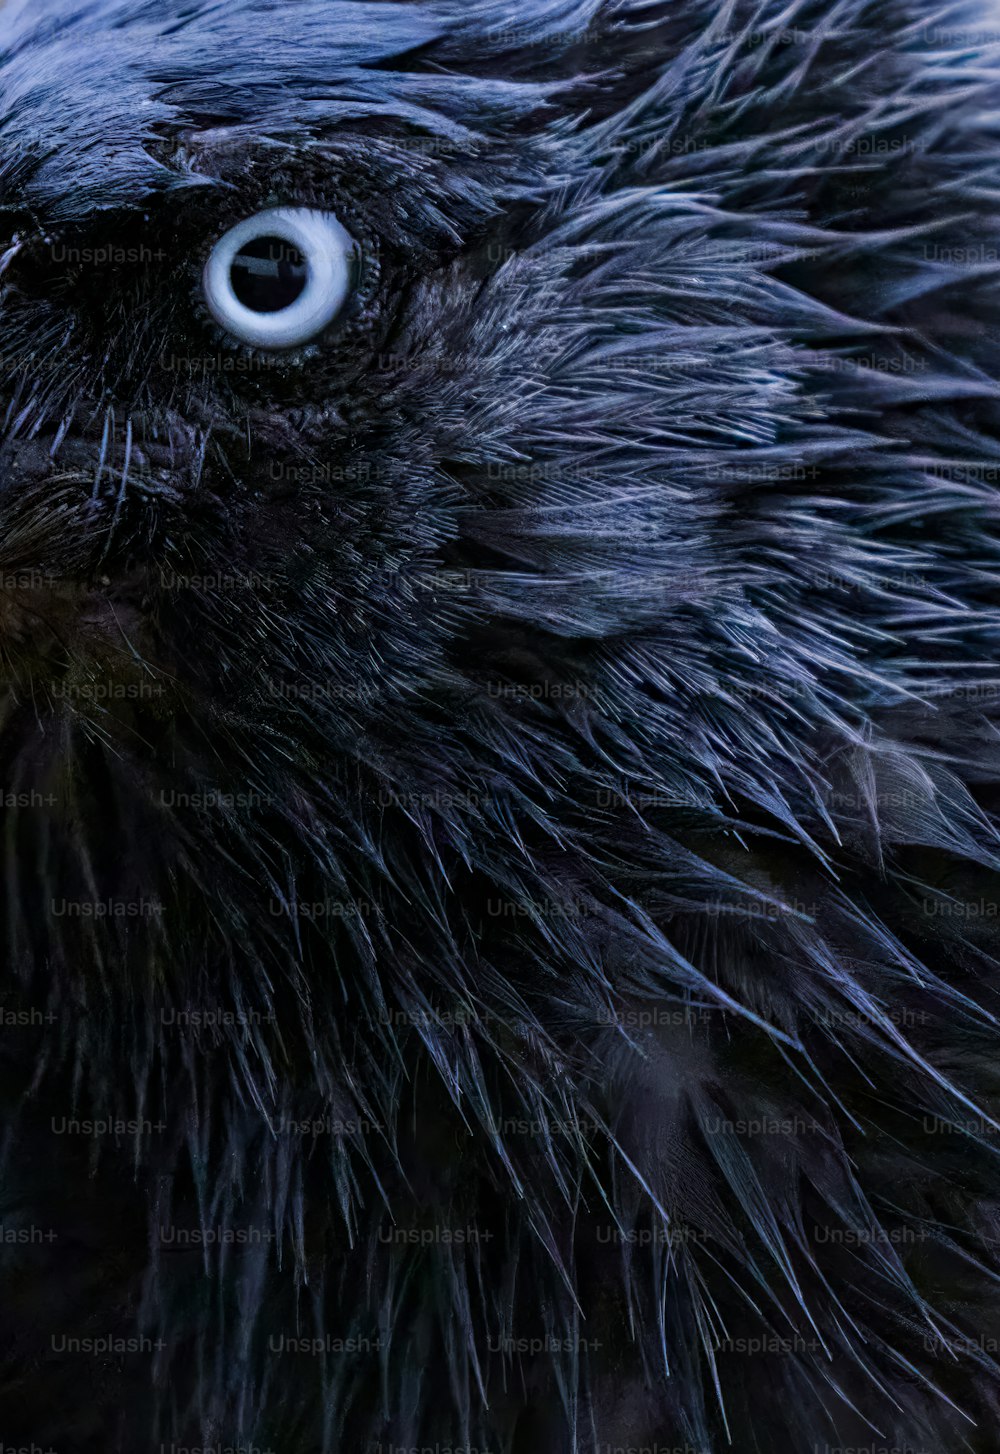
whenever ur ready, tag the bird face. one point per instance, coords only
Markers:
(336, 407)
(264, 359)
(156, 443)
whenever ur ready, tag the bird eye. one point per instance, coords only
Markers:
(279, 278)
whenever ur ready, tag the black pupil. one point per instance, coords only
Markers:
(268, 274)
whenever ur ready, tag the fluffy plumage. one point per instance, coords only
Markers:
(503, 804)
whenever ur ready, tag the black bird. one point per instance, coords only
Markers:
(499, 757)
